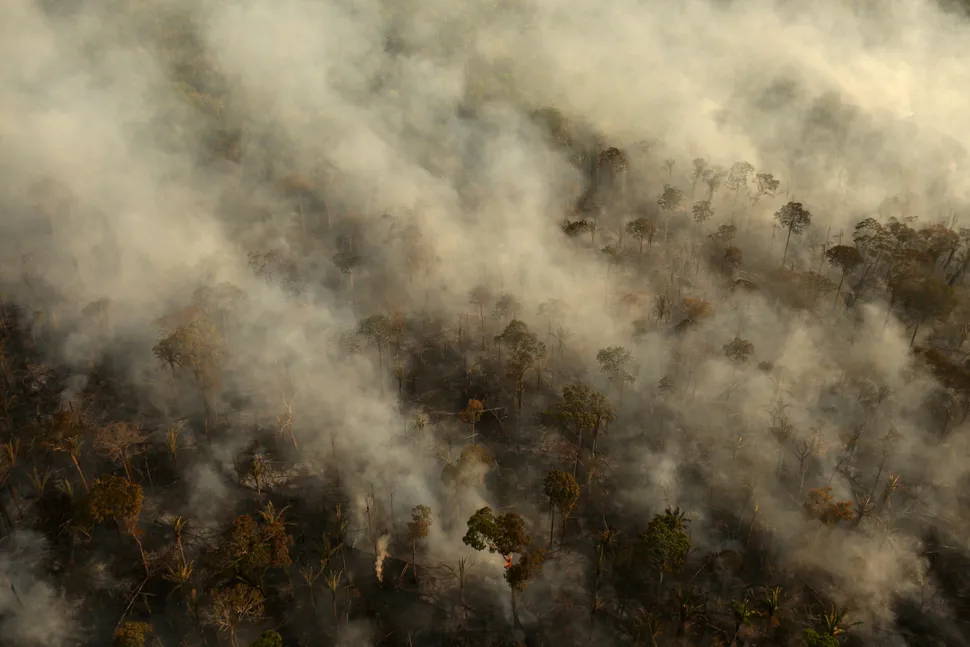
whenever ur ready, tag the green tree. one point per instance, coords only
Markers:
(670, 198)
(506, 535)
(377, 328)
(814, 639)
(846, 258)
(346, 261)
(771, 604)
(197, 347)
(480, 297)
(573, 228)
(617, 364)
(702, 211)
(713, 180)
(793, 217)
(724, 234)
(765, 186)
(582, 410)
(418, 529)
(737, 180)
(742, 613)
(738, 350)
(834, 622)
(641, 229)
(268, 639)
(506, 307)
(666, 542)
(563, 492)
(732, 259)
(525, 351)
(699, 170)
(923, 297)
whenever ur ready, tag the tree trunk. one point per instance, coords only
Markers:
(515, 610)
(124, 464)
(552, 523)
(461, 346)
(481, 318)
(80, 472)
(785, 255)
(818, 277)
(838, 291)
(302, 217)
(579, 453)
(414, 559)
(380, 364)
(353, 297)
(915, 330)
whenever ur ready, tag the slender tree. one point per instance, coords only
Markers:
(794, 218)
(113, 497)
(742, 612)
(119, 441)
(583, 410)
(923, 297)
(617, 364)
(737, 181)
(418, 529)
(197, 347)
(481, 297)
(702, 211)
(666, 542)
(641, 229)
(699, 170)
(846, 259)
(765, 186)
(231, 606)
(346, 261)
(563, 492)
(525, 352)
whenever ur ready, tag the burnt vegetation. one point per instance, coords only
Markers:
(693, 401)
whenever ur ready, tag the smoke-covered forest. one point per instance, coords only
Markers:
(391, 323)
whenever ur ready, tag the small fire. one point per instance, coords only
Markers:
(380, 552)
(508, 561)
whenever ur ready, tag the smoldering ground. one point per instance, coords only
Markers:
(150, 150)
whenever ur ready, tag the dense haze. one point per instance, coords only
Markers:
(236, 155)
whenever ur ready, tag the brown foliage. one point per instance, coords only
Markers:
(233, 605)
(131, 634)
(253, 547)
(113, 497)
(472, 412)
(119, 441)
(822, 505)
(696, 309)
